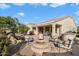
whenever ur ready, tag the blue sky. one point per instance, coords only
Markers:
(39, 12)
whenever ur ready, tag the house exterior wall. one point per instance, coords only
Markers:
(67, 25)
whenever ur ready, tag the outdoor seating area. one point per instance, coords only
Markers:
(45, 44)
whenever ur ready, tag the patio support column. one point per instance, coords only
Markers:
(50, 29)
(36, 30)
(60, 30)
(53, 30)
(44, 29)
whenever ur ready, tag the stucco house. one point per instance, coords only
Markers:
(62, 30)
(56, 27)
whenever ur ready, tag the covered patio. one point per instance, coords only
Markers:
(49, 29)
(45, 29)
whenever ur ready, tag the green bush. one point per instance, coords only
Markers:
(4, 44)
(5, 51)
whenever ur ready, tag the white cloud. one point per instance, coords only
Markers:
(4, 6)
(56, 4)
(38, 4)
(19, 4)
(34, 4)
(47, 4)
(19, 14)
(77, 13)
(44, 4)
(74, 4)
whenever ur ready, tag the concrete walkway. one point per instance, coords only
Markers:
(26, 50)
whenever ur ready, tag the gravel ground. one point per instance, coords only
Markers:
(15, 49)
(75, 52)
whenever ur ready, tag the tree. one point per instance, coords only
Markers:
(7, 23)
(23, 28)
(12, 24)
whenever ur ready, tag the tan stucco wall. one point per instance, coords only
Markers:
(67, 25)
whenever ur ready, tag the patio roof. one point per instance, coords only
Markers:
(49, 22)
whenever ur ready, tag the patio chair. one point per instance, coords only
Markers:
(60, 46)
(67, 47)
